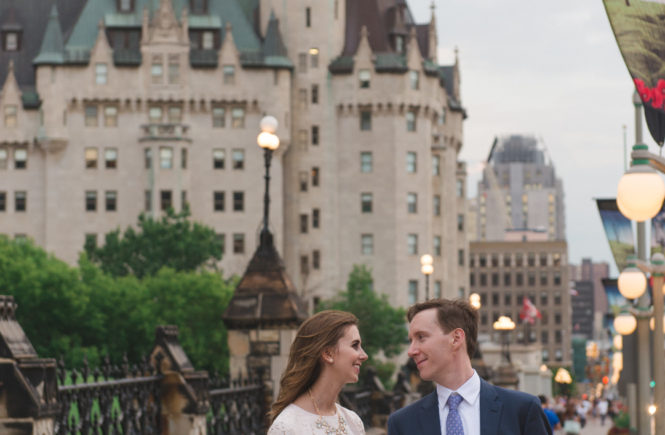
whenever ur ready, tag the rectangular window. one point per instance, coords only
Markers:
(413, 292)
(147, 200)
(367, 244)
(110, 116)
(506, 279)
(304, 179)
(411, 120)
(436, 242)
(315, 176)
(221, 239)
(412, 202)
(20, 201)
(111, 158)
(543, 278)
(316, 217)
(3, 201)
(155, 114)
(414, 79)
(208, 40)
(304, 264)
(365, 120)
(229, 74)
(316, 259)
(437, 289)
(174, 115)
(183, 158)
(218, 200)
(90, 200)
(442, 116)
(183, 198)
(238, 243)
(411, 162)
(90, 115)
(519, 279)
(436, 205)
(460, 222)
(303, 223)
(3, 158)
(147, 157)
(218, 117)
(302, 98)
(308, 17)
(302, 139)
(11, 116)
(459, 188)
(218, 156)
(315, 94)
(238, 117)
(436, 165)
(412, 244)
(166, 199)
(101, 73)
(166, 157)
(11, 41)
(20, 158)
(366, 162)
(557, 278)
(238, 201)
(174, 68)
(156, 70)
(111, 197)
(91, 158)
(238, 157)
(302, 62)
(314, 57)
(315, 135)
(365, 202)
(364, 77)
(125, 5)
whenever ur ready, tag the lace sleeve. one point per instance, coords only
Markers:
(355, 423)
(281, 427)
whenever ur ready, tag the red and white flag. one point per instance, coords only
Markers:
(529, 312)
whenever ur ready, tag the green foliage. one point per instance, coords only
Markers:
(71, 312)
(622, 420)
(381, 326)
(172, 241)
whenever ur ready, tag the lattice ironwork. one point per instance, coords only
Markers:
(109, 400)
(237, 408)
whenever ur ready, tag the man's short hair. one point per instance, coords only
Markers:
(543, 399)
(452, 314)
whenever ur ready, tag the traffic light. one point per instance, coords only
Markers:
(652, 384)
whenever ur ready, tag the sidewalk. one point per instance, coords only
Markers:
(593, 427)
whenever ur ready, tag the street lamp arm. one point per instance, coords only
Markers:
(655, 161)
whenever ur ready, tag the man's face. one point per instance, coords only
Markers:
(430, 348)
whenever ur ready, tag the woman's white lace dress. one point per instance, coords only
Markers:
(294, 420)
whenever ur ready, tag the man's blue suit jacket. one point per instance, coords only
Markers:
(502, 412)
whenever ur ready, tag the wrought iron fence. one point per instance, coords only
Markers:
(237, 407)
(111, 399)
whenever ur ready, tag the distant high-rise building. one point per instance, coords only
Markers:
(519, 191)
(587, 277)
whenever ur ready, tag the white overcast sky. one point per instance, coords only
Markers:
(551, 69)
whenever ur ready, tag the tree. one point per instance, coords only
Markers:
(172, 241)
(382, 327)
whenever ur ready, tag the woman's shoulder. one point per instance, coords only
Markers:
(288, 421)
(353, 419)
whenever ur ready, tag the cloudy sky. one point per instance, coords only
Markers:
(551, 69)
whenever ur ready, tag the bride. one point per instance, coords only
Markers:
(325, 355)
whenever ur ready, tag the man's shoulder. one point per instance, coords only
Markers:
(512, 396)
(413, 407)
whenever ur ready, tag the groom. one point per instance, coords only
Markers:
(443, 335)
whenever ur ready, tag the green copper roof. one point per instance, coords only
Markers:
(52, 49)
(122, 20)
(390, 61)
(204, 22)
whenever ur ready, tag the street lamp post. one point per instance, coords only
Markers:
(426, 268)
(504, 325)
(269, 141)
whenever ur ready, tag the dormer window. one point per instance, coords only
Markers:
(11, 41)
(198, 6)
(125, 6)
(399, 43)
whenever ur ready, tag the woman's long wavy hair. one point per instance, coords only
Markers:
(320, 332)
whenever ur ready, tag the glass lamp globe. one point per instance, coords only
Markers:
(269, 124)
(268, 140)
(632, 283)
(426, 259)
(640, 193)
(625, 323)
(427, 269)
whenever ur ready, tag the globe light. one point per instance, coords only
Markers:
(625, 323)
(268, 140)
(269, 124)
(426, 260)
(427, 269)
(474, 300)
(640, 193)
(504, 323)
(562, 376)
(632, 283)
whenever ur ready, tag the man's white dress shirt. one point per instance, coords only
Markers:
(469, 408)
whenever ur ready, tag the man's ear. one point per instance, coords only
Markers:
(459, 337)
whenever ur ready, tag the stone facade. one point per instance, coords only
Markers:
(169, 115)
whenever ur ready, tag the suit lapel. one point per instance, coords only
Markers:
(429, 415)
(490, 409)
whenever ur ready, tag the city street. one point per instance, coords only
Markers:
(593, 427)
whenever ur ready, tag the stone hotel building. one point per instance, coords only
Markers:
(111, 108)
